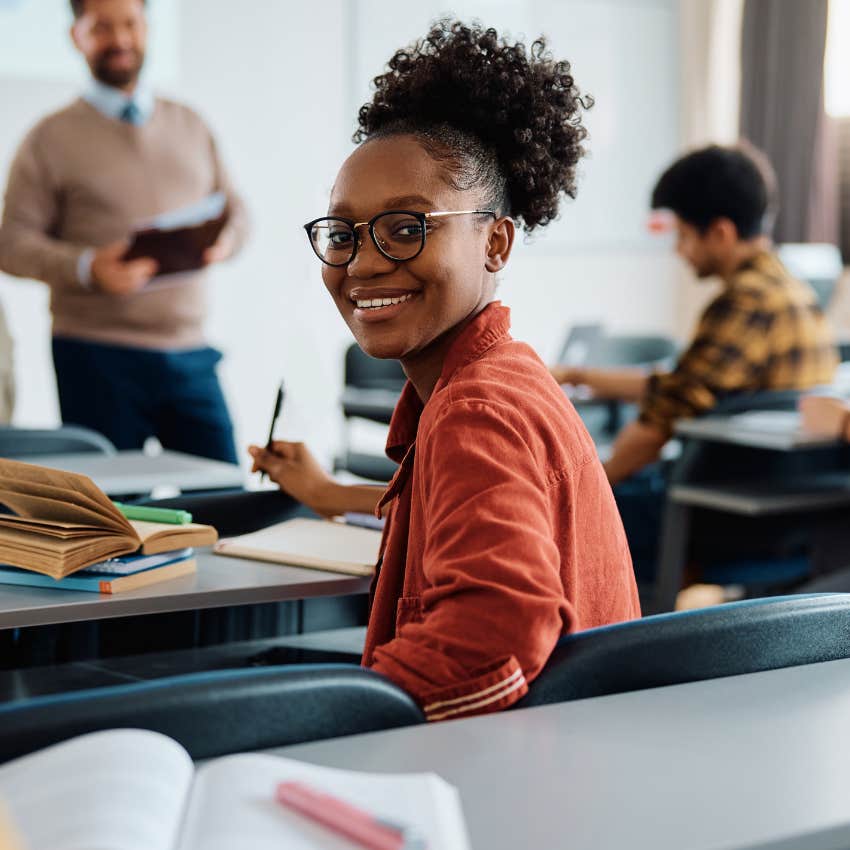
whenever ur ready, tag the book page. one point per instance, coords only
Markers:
(124, 789)
(77, 489)
(233, 804)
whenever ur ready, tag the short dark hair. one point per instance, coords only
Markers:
(737, 183)
(79, 6)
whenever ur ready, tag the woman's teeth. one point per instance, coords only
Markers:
(372, 303)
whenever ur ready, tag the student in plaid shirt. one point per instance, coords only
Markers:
(764, 331)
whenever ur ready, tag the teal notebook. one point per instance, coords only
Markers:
(107, 576)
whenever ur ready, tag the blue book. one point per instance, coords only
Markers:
(112, 576)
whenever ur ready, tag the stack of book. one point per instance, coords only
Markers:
(65, 533)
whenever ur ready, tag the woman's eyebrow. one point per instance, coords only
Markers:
(399, 202)
(408, 200)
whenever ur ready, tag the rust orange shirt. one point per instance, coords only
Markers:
(502, 532)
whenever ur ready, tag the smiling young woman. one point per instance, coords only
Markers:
(502, 533)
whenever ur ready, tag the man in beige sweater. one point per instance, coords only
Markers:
(128, 345)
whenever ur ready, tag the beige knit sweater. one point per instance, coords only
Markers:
(80, 180)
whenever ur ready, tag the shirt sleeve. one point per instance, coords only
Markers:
(494, 607)
(30, 211)
(728, 354)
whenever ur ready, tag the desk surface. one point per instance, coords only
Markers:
(762, 498)
(720, 764)
(774, 429)
(219, 581)
(136, 472)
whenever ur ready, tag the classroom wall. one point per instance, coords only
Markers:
(275, 81)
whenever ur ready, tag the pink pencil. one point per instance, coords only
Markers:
(366, 829)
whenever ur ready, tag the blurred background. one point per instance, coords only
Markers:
(280, 85)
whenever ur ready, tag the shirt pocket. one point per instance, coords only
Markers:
(408, 610)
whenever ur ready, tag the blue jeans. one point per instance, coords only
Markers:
(130, 394)
(640, 500)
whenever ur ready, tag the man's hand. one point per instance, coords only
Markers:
(825, 416)
(567, 374)
(115, 276)
(221, 250)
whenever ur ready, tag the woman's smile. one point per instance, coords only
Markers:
(379, 304)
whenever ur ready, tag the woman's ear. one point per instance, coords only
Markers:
(499, 244)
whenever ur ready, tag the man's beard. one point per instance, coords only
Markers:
(117, 77)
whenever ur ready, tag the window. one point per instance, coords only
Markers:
(837, 63)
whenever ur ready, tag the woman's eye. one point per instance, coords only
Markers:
(339, 237)
(407, 230)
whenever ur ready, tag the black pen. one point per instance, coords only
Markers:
(278, 405)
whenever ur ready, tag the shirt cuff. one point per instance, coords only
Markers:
(84, 264)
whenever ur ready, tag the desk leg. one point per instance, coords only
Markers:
(831, 545)
(673, 550)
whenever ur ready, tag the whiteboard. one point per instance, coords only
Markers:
(35, 42)
(623, 52)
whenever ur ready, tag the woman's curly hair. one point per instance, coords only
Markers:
(501, 117)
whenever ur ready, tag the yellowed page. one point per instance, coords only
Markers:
(163, 537)
(71, 483)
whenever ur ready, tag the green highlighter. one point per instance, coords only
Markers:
(145, 514)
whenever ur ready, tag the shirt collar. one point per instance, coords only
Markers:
(110, 101)
(489, 327)
(764, 262)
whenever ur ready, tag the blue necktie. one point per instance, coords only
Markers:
(131, 113)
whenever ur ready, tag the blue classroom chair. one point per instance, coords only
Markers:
(689, 646)
(213, 714)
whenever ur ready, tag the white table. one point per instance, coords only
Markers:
(780, 430)
(726, 763)
(219, 581)
(137, 472)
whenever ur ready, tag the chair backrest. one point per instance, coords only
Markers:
(26, 442)
(217, 713)
(817, 263)
(689, 646)
(367, 372)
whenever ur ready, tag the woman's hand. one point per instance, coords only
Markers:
(296, 471)
(825, 416)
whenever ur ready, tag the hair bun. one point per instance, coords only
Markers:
(520, 104)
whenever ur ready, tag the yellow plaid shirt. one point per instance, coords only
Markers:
(764, 332)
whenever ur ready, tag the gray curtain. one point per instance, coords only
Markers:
(782, 53)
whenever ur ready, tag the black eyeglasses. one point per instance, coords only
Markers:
(398, 234)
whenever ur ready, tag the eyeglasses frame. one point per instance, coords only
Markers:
(354, 225)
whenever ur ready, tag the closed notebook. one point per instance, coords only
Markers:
(177, 240)
(114, 576)
(130, 789)
(317, 543)
(63, 522)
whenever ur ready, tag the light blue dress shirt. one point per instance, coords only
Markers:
(113, 103)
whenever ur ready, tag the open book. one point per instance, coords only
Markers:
(63, 523)
(318, 543)
(141, 792)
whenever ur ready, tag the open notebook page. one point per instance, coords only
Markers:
(123, 789)
(232, 804)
